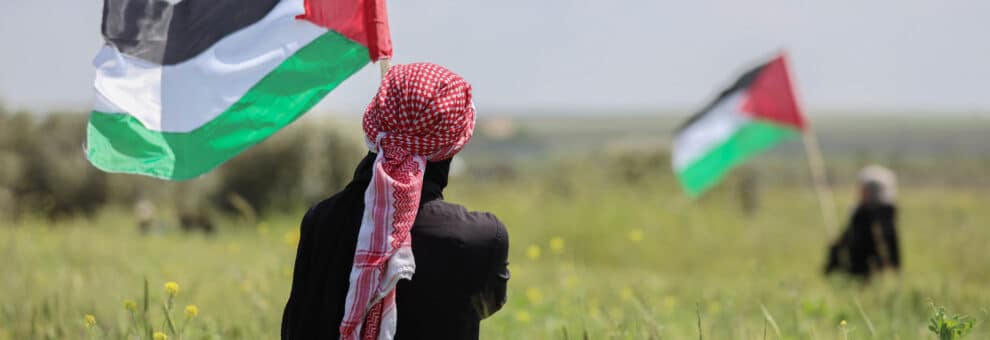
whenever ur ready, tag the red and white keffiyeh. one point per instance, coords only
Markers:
(422, 112)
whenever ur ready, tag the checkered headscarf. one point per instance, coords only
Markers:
(422, 112)
(884, 179)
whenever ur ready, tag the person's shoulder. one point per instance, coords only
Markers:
(888, 210)
(456, 213)
(324, 207)
(323, 204)
(453, 221)
(880, 208)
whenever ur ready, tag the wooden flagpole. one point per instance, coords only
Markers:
(384, 64)
(817, 165)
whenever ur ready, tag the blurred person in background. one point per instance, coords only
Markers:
(869, 244)
(144, 214)
(392, 210)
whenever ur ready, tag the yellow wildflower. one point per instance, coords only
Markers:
(636, 235)
(670, 302)
(714, 307)
(172, 288)
(594, 308)
(534, 295)
(192, 311)
(842, 323)
(570, 281)
(90, 320)
(246, 285)
(627, 294)
(533, 252)
(557, 245)
(291, 238)
(595, 313)
(160, 336)
(523, 316)
(130, 305)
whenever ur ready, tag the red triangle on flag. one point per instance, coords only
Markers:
(364, 21)
(771, 96)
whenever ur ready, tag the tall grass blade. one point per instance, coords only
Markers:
(769, 318)
(168, 321)
(697, 311)
(869, 324)
(144, 313)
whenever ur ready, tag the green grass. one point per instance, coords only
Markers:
(638, 262)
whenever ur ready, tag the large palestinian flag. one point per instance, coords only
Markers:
(754, 114)
(184, 85)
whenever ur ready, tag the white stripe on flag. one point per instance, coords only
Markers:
(102, 104)
(184, 96)
(137, 77)
(710, 131)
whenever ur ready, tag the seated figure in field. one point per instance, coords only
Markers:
(869, 244)
(358, 250)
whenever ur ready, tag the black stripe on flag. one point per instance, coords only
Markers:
(741, 83)
(171, 31)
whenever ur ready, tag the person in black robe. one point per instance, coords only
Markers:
(869, 244)
(461, 257)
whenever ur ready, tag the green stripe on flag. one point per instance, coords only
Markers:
(751, 139)
(120, 143)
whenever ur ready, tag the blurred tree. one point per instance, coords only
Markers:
(291, 170)
(44, 168)
(44, 172)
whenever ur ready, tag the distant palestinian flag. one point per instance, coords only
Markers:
(184, 85)
(754, 114)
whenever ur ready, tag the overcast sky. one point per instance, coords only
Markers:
(599, 56)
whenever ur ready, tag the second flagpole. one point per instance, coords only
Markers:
(816, 163)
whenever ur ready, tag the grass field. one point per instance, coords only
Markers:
(589, 256)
